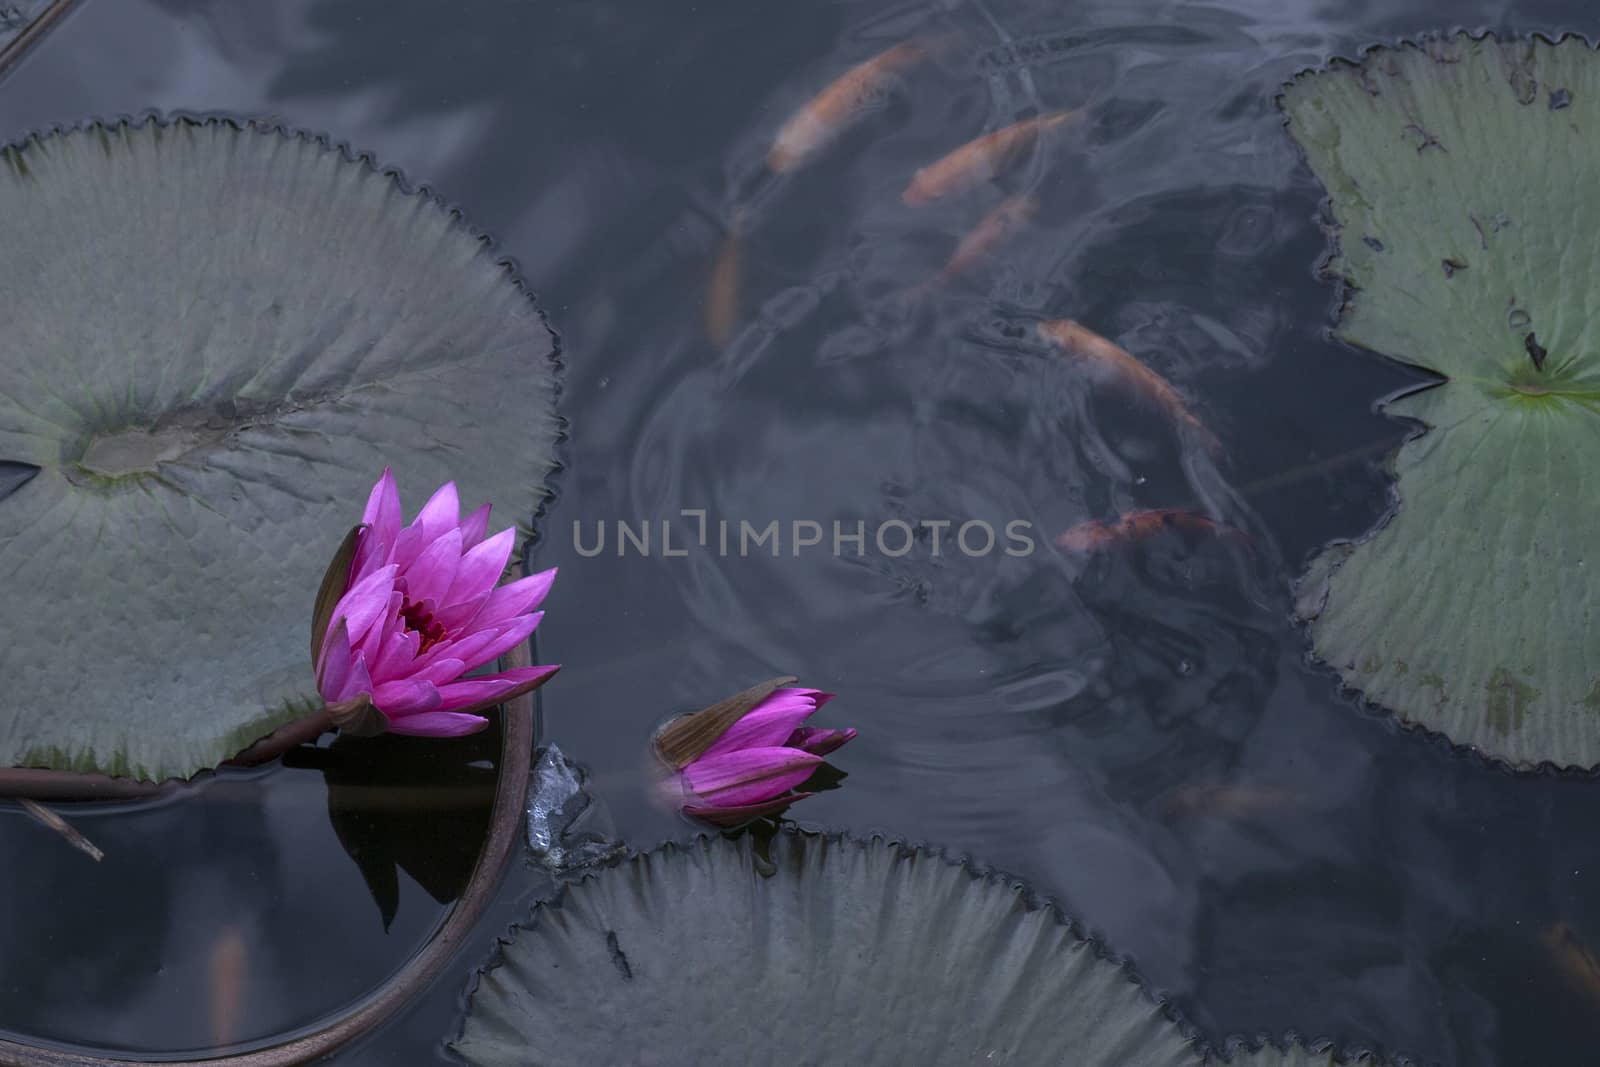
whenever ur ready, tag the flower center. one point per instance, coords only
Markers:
(417, 617)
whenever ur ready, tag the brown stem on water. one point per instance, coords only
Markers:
(516, 758)
(64, 828)
(297, 733)
(31, 33)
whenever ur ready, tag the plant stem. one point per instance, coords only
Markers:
(38, 784)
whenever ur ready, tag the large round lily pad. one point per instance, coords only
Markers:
(851, 952)
(212, 341)
(1462, 175)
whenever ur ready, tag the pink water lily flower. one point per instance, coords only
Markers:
(753, 768)
(422, 606)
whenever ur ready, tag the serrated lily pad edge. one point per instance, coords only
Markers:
(1030, 899)
(1262, 1050)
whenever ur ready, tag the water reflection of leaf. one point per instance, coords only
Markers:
(414, 804)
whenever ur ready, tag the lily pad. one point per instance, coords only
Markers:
(212, 340)
(1461, 175)
(847, 951)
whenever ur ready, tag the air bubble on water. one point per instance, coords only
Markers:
(568, 828)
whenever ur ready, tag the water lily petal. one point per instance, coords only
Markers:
(473, 527)
(479, 648)
(768, 724)
(371, 554)
(468, 650)
(407, 544)
(512, 599)
(734, 814)
(438, 724)
(455, 617)
(355, 682)
(442, 512)
(365, 602)
(480, 568)
(749, 775)
(405, 696)
(818, 741)
(509, 636)
(372, 644)
(442, 670)
(429, 577)
(333, 666)
(383, 509)
(475, 694)
(395, 657)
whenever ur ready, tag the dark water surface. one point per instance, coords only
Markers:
(1071, 722)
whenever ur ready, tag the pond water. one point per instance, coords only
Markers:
(1139, 736)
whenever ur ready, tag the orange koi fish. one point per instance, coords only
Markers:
(722, 292)
(994, 229)
(981, 160)
(1096, 534)
(1117, 364)
(842, 103)
(1573, 959)
(227, 971)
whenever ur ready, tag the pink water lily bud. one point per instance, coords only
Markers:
(419, 607)
(753, 767)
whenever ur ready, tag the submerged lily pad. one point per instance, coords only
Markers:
(212, 341)
(1461, 173)
(857, 952)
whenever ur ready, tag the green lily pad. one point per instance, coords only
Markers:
(857, 952)
(212, 341)
(1460, 173)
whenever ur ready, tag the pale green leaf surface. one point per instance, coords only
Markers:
(852, 952)
(286, 321)
(1461, 174)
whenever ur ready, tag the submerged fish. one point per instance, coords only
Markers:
(981, 160)
(1117, 364)
(846, 100)
(992, 230)
(1097, 534)
(1574, 960)
(227, 972)
(722, 291)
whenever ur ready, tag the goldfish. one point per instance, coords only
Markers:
(722, 292)
(992, 230)
(841, 104)
(1115, 362)
(227, 972)
(1573, 959)
(979, 161)
(1096, 534)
